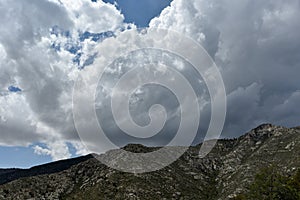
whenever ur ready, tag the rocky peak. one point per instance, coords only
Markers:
(263, 127)
(263, 132)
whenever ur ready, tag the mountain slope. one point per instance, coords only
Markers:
(227, 170)
(8, 175)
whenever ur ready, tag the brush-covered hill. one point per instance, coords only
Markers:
(228, 170)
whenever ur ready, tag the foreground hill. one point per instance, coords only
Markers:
(228, 170)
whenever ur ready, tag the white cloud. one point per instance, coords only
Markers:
(41, 151)
(58, 150)
(95, 17)
(17, 123)
(80, 148)
(42, 111)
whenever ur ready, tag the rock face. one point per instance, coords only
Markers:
(226, 171)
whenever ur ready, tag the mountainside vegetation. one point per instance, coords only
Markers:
(270, 184)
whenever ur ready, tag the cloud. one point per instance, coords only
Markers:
(255, 44)
(18, 125)
(244, 109)
(57, 150)
(287, 111)
(41, 112)
(41, 151)
(96, 17)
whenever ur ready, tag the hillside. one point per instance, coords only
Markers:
(228, 170)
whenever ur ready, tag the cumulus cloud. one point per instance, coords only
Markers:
(45, 72)
(45, 44)
(57, 150)
(255, 45)
(41, 151)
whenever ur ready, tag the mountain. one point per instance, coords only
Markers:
(226, 171)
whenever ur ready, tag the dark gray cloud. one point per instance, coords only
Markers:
(256, 45)
(148, 95)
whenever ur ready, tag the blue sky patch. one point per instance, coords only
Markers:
(76, 59)
(96, 37)
(72, 48)
(14, 89)
(21, 157)
(24, 157)
(140, 12)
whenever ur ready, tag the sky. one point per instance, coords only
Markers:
(140, 12)
(46, 44)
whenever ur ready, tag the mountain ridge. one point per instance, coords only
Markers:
(225, 172)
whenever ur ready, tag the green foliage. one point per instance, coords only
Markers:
(270, 184)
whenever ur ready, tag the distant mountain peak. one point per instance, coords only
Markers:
(264, 131)
(265, 126)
